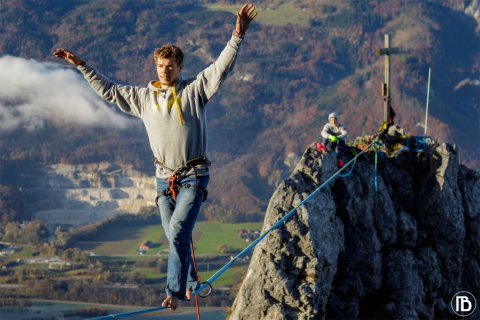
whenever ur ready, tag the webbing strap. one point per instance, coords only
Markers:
(177, 103)
(175, 100)
(171, 185)
(349, 172)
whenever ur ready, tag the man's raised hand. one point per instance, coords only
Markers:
(246, 14)
(69, 56)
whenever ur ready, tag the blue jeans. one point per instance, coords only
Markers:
(178, 220)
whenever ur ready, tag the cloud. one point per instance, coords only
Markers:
(33, 93)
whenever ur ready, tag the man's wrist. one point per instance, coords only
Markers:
(238, 34)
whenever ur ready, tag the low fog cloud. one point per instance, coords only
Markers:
(33, 93)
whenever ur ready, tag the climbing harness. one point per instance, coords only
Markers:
(171, 180)
(208, 283)
(180, 171)
(190, 164)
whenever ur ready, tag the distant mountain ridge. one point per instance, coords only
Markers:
(300, 60)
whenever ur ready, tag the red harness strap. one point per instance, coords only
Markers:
(171, 184)
(197, 302)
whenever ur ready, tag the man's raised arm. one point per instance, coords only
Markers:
(246, 14)
(69, 56)
(209, 80)
(127, 98)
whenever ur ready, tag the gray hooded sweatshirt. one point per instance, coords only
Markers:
(330, 129)
(176, 128)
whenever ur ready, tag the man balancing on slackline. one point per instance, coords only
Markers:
(173, 112)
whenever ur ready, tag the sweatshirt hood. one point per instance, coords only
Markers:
(156, 86)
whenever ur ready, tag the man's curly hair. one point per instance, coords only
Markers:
(168, 51)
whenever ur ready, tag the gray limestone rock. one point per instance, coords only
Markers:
(351, 252)
(77, 194)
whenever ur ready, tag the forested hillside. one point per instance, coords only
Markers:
(300, 61)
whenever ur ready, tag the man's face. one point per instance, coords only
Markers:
(333, 121)
(168, 71)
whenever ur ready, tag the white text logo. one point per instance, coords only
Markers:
(463, 303)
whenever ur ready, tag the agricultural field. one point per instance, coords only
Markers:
(116, 248)
(125, 240)
(207, 238)
(120, 244)
(232, 276)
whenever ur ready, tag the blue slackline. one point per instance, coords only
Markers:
(349, 172)
(217, 274)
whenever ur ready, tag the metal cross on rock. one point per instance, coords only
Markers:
(387, 51)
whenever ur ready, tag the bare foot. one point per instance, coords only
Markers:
(188, 294)
(171, 302)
